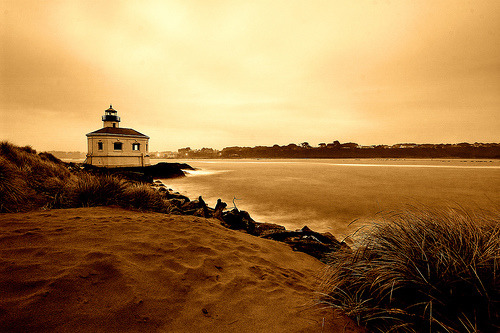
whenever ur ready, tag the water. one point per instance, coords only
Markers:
(327, 195)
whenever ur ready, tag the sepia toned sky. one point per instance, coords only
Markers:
(217, 73)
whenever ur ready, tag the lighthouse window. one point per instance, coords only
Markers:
(136, 146)
(117, 146)
(99, 145)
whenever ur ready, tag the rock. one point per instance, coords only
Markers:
(164, 170)
(238, 220)
(196, 207)
(307, 241)
(190, 205)
(248, 221)
(175, 211)
(201, 201)
(316, 249)
(176, 195)
(306, 229)
(330, 237)
(282, 236)
(262, 229)
(219, 208)
(176, 203)
(232, 220)
(200, 212)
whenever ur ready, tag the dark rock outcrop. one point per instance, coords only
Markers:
(144, 174)
(305, 240)
(238, 220)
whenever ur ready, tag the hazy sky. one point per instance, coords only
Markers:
(215, 73)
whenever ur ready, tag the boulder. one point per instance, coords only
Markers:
(190, 205)
(196, 208)
(313, 248)
(175, 211)
(306, 229)
(176, 203)
(200, 212)
(176, 195)
(307, 241)
(262, 229)
(219, 208)
(238, 220)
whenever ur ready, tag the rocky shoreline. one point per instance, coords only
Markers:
(316, 244)
(313, 243)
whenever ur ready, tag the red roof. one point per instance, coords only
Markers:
(117, 131)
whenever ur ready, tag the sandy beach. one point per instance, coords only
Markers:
(107, 269)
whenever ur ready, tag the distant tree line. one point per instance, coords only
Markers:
(68, 154)
(350, 150)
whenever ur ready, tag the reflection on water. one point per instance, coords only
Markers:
(327, 195)
(202, 172)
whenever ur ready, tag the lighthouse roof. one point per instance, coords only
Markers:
(117, 131)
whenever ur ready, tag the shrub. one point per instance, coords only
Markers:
(421, 271)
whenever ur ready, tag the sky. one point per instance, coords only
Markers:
(217, 73)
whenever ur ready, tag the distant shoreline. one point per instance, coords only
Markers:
(334, 150)
(478, 159)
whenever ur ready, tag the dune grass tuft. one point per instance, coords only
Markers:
(143, 197)
(422, 270)
(13, 189)
(89, 190)
(29, 180)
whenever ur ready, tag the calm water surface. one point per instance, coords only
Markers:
(327, 195)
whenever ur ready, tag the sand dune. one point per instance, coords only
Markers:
(114, 270)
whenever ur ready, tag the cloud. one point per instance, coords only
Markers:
(231, 72)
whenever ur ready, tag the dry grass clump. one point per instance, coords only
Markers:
(143, 197)
(421, 271)
(87, 190)
(29, 180)
(13, 189)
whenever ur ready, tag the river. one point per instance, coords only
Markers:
(328, 194)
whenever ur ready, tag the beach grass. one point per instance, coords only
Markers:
(88, 190)
(421, 270)
(29, 180)
(143, 197)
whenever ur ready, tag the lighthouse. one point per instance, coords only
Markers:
(114, 146)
